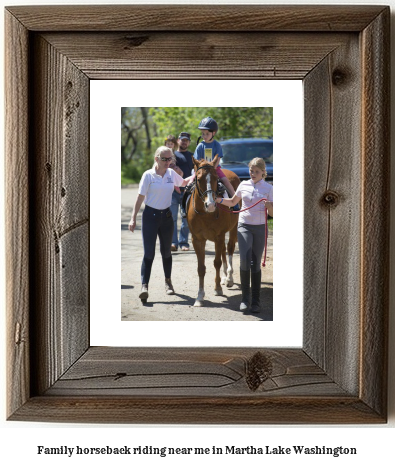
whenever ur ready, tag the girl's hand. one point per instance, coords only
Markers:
(269, 207)
(132, 225)
(189, 179)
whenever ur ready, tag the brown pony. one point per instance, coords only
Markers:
(207, 222)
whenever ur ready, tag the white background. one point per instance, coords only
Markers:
(19, 441)
(107, 97)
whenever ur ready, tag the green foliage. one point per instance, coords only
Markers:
(232, 122)
(145, 129)
(129, 174)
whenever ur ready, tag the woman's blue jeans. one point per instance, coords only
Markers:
(156, 223)
(180, 239)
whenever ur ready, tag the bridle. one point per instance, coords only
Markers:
(201, 193)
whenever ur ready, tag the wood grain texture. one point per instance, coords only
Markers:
(197, 410)
(17, 229)
(196, 17)
(129, 385)
(60, 180)
(333, 214)
(194, 372)
(237, 55)
(339, 376)
(376, 211)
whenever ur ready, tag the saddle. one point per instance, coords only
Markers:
(185, 199)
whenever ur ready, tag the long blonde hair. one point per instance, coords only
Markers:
(260, 163)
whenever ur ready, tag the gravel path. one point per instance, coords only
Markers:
(179, 307)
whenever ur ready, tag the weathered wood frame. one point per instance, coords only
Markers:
(340, 374)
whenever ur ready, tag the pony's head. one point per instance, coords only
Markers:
(206, 182)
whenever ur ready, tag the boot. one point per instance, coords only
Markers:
(184, 201)
(183, 205)
(169, 287)
(144, 292)
(245, 290)
(256, 291)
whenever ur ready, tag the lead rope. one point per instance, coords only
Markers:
(266, 237)
(266, 228)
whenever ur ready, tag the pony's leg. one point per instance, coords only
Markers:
(219, 247)
(231, 250)
(200, 250)
(224, 267)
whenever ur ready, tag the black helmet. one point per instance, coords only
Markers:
(208, 123)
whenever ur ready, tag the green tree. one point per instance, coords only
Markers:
(145, 129)
(233, 122)
(134, 121)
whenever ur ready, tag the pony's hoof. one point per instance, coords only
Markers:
(218, 292)
(223, 281)
(198, 303)
(229, 283)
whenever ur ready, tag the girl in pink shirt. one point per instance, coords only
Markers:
(251, 230)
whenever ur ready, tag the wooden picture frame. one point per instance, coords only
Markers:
(340, 374)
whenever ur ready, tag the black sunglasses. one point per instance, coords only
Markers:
(165, 159)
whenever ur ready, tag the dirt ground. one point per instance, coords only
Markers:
(179, 307)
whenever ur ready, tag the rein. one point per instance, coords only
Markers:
(266, 229)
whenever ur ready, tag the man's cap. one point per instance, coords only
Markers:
(184, 135)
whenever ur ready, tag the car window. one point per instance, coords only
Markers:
(245, 152)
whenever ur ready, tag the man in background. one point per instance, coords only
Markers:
(184, 162)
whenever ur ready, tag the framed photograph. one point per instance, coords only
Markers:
(244, 132)
(339, 375)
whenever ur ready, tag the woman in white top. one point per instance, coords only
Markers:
(156, 187)
(251, 230)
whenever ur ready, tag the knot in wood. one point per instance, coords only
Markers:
(259, 369)
(135, 41)
(330, 198)
(339, 77)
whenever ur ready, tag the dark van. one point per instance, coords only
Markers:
(237, 153)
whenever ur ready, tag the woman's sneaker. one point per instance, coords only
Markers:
(169, 287)
(144, 292)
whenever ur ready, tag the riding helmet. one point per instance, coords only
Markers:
(208, 123)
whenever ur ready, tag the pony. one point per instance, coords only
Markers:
(207, 222)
